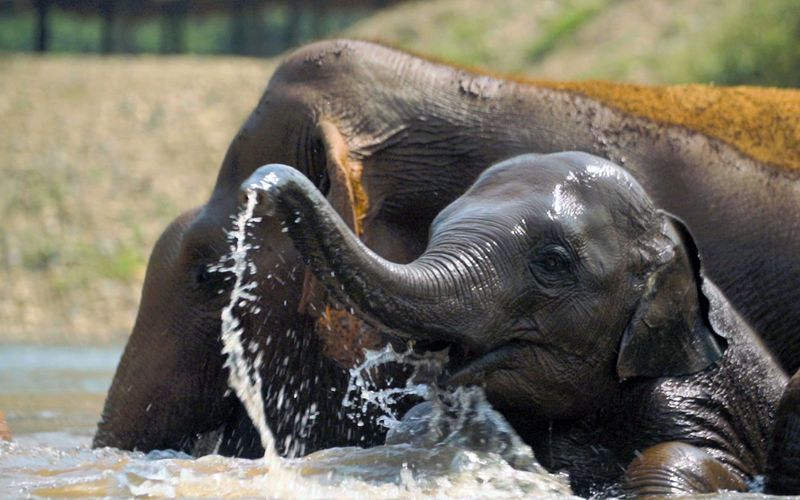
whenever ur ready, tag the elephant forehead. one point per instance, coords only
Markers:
(598, 188)
(600, 222)
(580, 208)
(566, 203)
(501, 205)
(558, 209)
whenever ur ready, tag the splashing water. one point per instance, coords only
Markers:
(243, 377)
(459, 447)
(461, 417)
(446, 429)
(364, 392)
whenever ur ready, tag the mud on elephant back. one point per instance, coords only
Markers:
(585, 313)
(391, 139)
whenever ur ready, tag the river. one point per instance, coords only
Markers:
(52, 397)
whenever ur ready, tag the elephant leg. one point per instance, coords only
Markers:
(783, 462)
(675, 468)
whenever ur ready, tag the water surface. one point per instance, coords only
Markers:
(53, 396)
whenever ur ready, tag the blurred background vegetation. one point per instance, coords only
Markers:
(115, 115)
(243, 27)
(659, 41)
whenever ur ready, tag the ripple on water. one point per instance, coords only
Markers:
(383, 471)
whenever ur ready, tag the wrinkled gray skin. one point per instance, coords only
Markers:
(421, 133)
(582, 310)
(783, 464)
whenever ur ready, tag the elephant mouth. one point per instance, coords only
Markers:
(474, 368)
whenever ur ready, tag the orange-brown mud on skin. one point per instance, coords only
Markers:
(360, 199)
(346, 194)
(760, 122)
(344, 336)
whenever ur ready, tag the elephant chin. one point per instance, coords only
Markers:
(475, 368)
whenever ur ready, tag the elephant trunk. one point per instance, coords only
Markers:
(426, 299)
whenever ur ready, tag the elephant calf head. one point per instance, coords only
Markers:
(556, 274)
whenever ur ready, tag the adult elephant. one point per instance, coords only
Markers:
(585, 314)
(391, 139)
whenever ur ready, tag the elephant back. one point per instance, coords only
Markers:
(760, 122)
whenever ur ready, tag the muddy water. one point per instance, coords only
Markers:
(52, 397)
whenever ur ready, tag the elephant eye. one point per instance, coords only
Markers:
(202, 275)
(208, 288)
(553, 260)
(553, 263)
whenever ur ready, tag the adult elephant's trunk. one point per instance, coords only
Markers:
(428, 299)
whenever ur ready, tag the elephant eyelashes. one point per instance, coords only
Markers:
(550, 265)
(554, 263)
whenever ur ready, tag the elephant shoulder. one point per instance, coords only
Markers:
(725, 410)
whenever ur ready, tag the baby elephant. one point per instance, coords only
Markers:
(582, 311)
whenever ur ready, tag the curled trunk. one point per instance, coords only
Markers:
(426, 299)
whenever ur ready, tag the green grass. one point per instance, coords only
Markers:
(11, 30)
(758, 47)
(206, 34)
(562, 27)
(645, 41)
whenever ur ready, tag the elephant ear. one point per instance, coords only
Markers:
(341, 183)
(669, 333)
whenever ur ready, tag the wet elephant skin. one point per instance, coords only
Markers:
(392, 139)
(586, 313)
